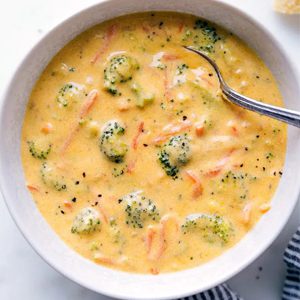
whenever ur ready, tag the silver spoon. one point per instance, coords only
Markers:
(282, 114)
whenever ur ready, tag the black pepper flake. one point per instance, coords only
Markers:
(74, 199)
(83, 174)
(257, 76)
(184, 118)
(241, 165)
(96, 203)
(145, 145)
(246, 148)
(280, 173)
(99, 195)
(62, 212)
(77, 182)
(257, 136)
(264, 169)
(210, 74)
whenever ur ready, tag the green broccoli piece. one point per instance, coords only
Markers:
(212, 228)
(175, 153)
(209, 36)
(37, 152)
(181, 68)
(69, 93)
(111, 144)
(51, 178)
(139, 209)
(142, 98)
(120, 69)
(87, 221)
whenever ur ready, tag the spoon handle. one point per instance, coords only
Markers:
(288, 116)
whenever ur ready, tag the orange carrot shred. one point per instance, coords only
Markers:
(220, 165)
(90, 101)
(47, 128)
(33, 188)
(131, 166)
(111, 31)
(198, 188)
(154, 271)
(199, 130)
(171, 130)
(170, 57)
(136, 138)
(149, 239)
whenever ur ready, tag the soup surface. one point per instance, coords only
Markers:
(133, 156)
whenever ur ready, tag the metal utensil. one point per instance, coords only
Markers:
(282, 114)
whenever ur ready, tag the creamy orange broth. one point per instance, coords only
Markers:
(176, 142)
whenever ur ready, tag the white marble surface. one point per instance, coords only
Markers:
(23, 274)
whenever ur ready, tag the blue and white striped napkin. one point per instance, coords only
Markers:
(291, 289)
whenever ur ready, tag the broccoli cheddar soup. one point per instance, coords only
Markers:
(132, 155)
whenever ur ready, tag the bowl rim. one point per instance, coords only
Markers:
(34, 243)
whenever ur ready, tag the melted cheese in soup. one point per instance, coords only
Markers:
(131, 153)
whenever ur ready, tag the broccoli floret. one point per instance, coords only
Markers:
(181, 68)
(120, 69)
(210, 36)
(86, 221)
(142, 98)
(139, 209)
(69, 93)
(175, 153)
(111, 143)
(37, 152)
(212, 228)
(51, 178)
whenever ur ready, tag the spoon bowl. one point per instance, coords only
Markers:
(282, 114)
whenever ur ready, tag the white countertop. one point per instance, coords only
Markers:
(23, 274)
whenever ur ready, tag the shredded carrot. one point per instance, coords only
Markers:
(265, 207)
(220, 165)
(172, 129)
(90, 101)
(131, 166)
(149, 238)
(33, 188)
(154, 271)
(136, 137)
(68, 204)
(47, 128)
(152, 232)
(111, 31)
(199, 129)
(198, 187)
(170, 57)
(234, 131)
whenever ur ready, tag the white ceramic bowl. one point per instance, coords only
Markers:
(115, 283)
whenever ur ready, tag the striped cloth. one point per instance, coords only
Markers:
(291, 289)
(220, 292)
